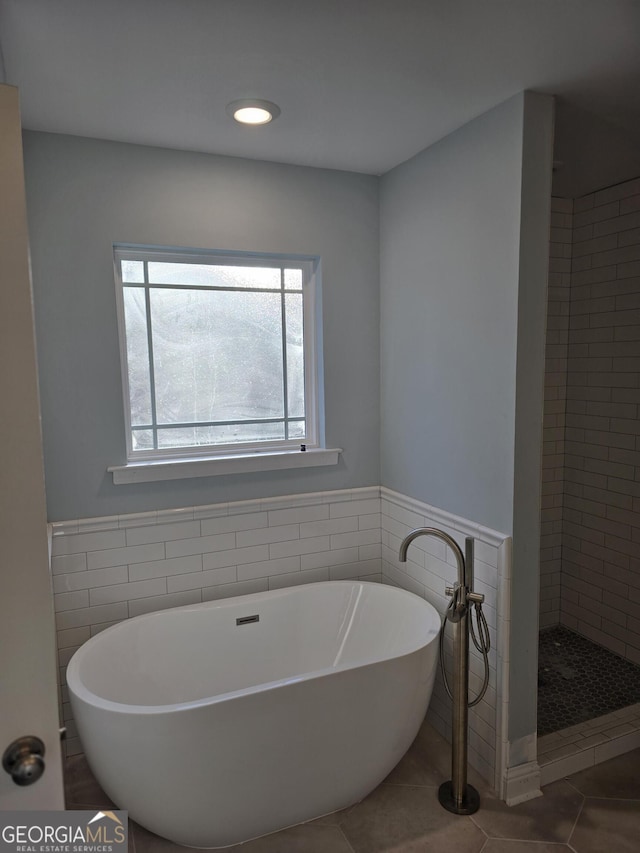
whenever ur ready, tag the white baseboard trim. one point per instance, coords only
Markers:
(522, 783)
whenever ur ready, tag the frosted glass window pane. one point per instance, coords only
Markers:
(295, 355)
(230, 434)
(142, 439)
(132, 272)
(208, 275)
(217, 355)
(293, 279)
(137, 355)
(297, 429)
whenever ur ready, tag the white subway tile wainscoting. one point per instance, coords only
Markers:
(430, 567)
(109, 569)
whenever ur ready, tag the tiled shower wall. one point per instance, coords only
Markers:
(555, 400)
(598, 474)
(601, 544)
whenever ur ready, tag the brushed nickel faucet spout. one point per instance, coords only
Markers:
(459, 604)
(439, 534)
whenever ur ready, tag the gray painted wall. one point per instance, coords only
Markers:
(464, 251)
(449, 237)
(84, 195)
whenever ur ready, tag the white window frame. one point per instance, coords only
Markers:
(167, 461)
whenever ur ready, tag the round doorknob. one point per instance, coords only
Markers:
(24, 760)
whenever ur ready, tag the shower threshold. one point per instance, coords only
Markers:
(588, 704)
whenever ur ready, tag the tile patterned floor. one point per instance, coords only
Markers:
(579, 680)
(594, 811)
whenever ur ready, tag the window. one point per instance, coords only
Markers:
(218, 353)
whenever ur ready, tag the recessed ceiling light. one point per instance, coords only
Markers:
(253, 111)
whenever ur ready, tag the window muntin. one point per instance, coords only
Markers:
(218, 352)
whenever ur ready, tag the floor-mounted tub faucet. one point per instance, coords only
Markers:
(457, 796)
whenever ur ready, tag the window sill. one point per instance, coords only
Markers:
(151, 471)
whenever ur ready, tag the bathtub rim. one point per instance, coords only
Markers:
(79, 691)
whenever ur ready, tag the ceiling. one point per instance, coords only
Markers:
(362, 84)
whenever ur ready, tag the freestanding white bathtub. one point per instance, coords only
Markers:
(212, 726)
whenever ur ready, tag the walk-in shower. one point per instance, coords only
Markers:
(589, 661)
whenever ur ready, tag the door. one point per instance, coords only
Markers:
(28, 683)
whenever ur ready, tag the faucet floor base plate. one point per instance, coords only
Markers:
(470, 802)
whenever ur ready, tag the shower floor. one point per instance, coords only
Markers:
(579, 680)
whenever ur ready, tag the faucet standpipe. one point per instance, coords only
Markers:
(457, 796)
